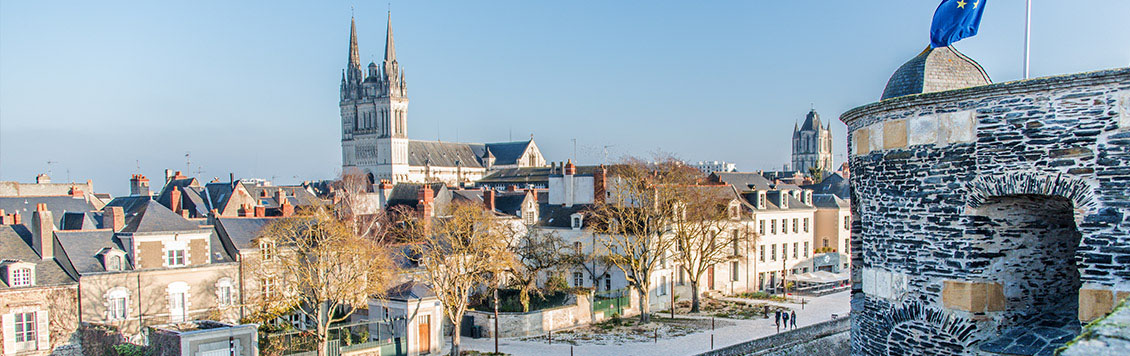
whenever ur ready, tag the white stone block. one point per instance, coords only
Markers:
(922, 130)
(869, 281)
(876, 138)
(960, 127)
(1124, 111)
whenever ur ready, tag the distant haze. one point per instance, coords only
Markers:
(102, 88)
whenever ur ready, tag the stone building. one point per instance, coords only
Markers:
(990, 219)
(374, 131)
(812, 145)
(38, 299)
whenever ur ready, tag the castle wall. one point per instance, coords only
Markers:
(984, 211)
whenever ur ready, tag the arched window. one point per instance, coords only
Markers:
(115, 263)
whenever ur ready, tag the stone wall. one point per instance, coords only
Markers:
(536, 322)
(825, 338)
(985, 212)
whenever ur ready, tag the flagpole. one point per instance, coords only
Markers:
(1027, 36)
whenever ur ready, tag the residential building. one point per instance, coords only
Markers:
(185, 196)
(38, 298)
(833, 233)
(374, 129)
(812, 145)
(43, 187)
(715, 166)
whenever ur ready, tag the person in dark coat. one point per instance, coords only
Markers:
(793, 318)
(785, 316)
(777, 314)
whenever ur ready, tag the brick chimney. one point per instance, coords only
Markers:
(178, 175)
(570, 169)
(384, 191)
(42, 227)
(42, 179)
(4, 218)
(598, 183)
(17, 219)
(260, 211)
(174, 200)
(488, 199)
(138, 185)
(114, 218)
(76, 193)
(286, 209)
(424, 205)
(280, 196)
(168, 175)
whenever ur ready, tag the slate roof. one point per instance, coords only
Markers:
(829, 201)
(509, 202)
(218, 194)
(832, 184)
(82, 221)
(538, 176)
(83, 246)
(242, 231)
(470, 155)
(146, 215)
(557, 215)
(295, 195)
(410, 290)
(192, 196)
(15, 244)
(935, 69)
(743, 181)
(407, 194)
(57, 205)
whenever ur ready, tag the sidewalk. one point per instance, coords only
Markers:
(816, 310)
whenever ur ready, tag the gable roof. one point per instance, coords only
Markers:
(15, 244)
(444, 154)
(57, 205)
(149, 216)
(556, 215)
(410, 290)
(830, 201)
(743, 181)
(83, 246)
(242, 231)
(832, 184)
(506, 153)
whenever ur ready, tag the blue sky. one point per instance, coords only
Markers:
(101, 88)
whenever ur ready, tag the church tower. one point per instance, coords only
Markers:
(374, 114)
(812, 145)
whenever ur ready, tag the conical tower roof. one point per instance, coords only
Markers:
(935, 69)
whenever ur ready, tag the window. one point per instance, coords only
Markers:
(847, 223)
(578, 279)
(734, 271)
(795, 229)
(762, 253)
(117, 308)
(761, 227)
(662, 285)
(115, 263)
(735, 212)
(773, 227)
(178, 301)
(737, 251)
(577, 221)
(682, 277)
(267, 250)
(174, 258)
(223, 295)
(607, 282)
(270, 286)
(25, 328)
(761, 280)
(577, 247)
(847, 245)
(795, 247)
(784, 226)
(21, 277)
(825, 242)
(805, 224)
(772, 252)
(806, 249)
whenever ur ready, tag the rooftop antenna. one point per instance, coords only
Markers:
(50, 163)
(138, 163)
(606, 147)
(187, 162)
(574, 149)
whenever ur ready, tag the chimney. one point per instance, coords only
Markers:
(384, 190)
(17, 219)
(42, 226)
(168, 175)
(512, 188)
(42, 179)
(280, 196)
(260, 211)
(4, 218)
(286, 209)
(76, 193)
(184, 214)
(179, 176)
(245, 210)
(114, 218)
(174, 200)
(424, 205)
(570, 169)
(138, 185)
(598, 182)
(231, 179)
(488, 199)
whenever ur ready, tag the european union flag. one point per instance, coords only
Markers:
(955, 20)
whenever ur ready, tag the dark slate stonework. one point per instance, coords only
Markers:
(1036, 199)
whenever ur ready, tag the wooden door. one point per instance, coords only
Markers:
(424, 334)
(710, 278)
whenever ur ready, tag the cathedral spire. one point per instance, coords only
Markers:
(354, 53)
(390, 48)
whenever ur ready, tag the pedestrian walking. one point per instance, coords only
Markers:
(793, 318)
(785, 316)
(777, 315)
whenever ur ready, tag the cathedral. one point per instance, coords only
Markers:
(812, 145)
(374, 131)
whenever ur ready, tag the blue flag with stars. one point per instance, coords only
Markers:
(955, 20)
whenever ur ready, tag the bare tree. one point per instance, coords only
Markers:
(707, 231)
(537, 252)
(459, 251)
(359, 208)
(594, 261)
(635, 218)
(322, 270)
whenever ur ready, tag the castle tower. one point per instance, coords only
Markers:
(374, 114)
(812, 145)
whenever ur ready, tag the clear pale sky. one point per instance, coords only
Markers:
(252, 87)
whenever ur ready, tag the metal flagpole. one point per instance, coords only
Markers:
(1027, 36)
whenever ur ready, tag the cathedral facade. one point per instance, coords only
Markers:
(812, 145)
(374, 131)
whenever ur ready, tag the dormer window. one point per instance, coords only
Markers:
(735, 211)
(21, 277)
(761, 199)
(112, 259)
(577, 221)
(115, 263)
(19, 273)
(267, 250)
